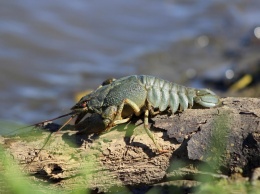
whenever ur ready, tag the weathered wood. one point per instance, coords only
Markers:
(222, 140)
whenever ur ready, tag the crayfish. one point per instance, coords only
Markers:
(117, 100)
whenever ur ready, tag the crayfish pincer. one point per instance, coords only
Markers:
(117, 100)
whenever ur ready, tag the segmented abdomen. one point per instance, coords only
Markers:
(162, 93)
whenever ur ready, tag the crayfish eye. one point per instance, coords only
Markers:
(83, 104)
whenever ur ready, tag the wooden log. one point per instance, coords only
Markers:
(212, 143)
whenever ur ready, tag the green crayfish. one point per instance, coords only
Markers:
(118, 100)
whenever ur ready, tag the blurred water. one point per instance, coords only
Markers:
(49, 50)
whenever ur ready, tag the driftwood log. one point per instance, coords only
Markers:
(215, 143)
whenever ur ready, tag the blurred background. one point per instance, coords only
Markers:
(52, 50)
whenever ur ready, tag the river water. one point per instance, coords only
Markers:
(50, 50)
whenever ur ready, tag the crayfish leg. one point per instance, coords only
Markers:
(118, 117)
(149, 133)
(132, 104)
(117, 122)
(80, 117)
(151, 109)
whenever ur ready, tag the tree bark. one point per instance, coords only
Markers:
(214, 143)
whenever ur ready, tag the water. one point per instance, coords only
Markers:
(50, 50)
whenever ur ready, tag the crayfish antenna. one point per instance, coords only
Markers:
(49, 136)
(46, 121)
(65, 123)
(42, 123)
(37, 154)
